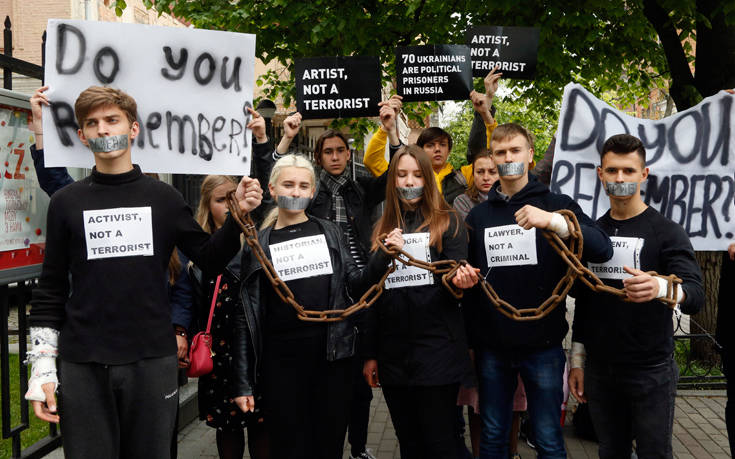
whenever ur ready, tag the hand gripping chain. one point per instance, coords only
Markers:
(280, 287)
(571, 254)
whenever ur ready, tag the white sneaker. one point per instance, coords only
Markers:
(367, 454)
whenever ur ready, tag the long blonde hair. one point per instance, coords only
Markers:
(286, 161)
(204, 215)
(435, 210)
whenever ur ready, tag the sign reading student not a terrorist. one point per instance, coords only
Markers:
(690, 155)
(192, 88)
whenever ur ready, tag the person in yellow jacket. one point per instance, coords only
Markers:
(436, 142)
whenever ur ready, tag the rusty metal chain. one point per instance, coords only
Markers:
(570, 252)
(446, 268)
(279, 286)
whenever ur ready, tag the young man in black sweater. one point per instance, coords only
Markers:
(629, 377)
(110, 327)
(507, 245)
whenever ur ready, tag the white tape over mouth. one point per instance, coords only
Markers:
(411, 192)
(511, 169)
(291, 203)
(621, 189)
(108, 144)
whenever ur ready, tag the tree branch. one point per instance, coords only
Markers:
(683, 90)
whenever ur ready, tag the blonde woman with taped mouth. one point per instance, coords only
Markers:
(302, 369)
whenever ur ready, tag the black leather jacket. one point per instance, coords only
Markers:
(347, 284)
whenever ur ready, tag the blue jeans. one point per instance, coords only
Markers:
(542, 373)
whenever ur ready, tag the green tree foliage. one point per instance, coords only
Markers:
(602, 44)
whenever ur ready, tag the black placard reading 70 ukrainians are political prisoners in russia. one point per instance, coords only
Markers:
(337, 87)
(512, 49)
(433, 72)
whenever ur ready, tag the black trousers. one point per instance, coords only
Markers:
(306, 399)
(425, 419)
(632, 402)
(118, 411)
(362, 395)
(728, 367)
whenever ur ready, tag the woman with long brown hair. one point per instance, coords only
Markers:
(216, 399)
(415, 342)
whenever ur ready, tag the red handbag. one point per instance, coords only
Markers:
(200, 352)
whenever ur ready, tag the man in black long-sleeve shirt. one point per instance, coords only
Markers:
(114, 233)
(630, 376)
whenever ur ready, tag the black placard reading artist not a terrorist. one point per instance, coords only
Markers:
(337, 87)
(433, 72)
(512, 49)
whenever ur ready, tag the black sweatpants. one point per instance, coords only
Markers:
(306, 399)
(118, 411)
(425, 419)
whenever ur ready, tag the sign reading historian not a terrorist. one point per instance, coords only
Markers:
(337, 87)
(192, 88)
(689, 154)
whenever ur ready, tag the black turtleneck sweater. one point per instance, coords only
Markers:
(114, 234)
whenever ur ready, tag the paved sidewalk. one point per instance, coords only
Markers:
(699, 432)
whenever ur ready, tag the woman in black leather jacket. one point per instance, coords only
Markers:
(301, 369)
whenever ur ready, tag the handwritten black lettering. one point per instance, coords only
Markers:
(62, 48)
(63, 115)
(98, 64)
(181, 122)
(204, 79)
(234, 78)
(178, 66)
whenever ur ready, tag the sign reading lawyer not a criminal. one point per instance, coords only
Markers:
(433, 72)
(513, 50)
(690, 156)
(337, 87)
(191, 86)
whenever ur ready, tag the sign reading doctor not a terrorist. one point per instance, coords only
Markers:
(192, 88)
(691, 156)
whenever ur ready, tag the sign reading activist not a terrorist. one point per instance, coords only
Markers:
(192, 88)
(689, 154)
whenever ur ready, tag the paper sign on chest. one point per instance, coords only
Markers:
(510, 245)
(119, 232)
(191, 87)
(626, 252)
(301, 258)
(416, 245)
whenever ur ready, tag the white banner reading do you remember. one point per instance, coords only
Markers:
(690, 155)
(191, 86)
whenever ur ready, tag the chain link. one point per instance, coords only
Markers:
(279, 286)
(570, 252)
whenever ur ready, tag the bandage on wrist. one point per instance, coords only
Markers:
(42, 358)
(579, 355)
(663, 288)
(558, 224)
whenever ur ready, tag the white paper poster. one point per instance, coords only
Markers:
(510, 245)
(302, 257)
(191, 86)
(416, 245)
(690, 156)
(119, 232)
(626, 252)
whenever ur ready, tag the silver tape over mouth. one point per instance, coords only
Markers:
(411, 192)
(621, 189)
(510, 169)
(291, 203)
(108, 144)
